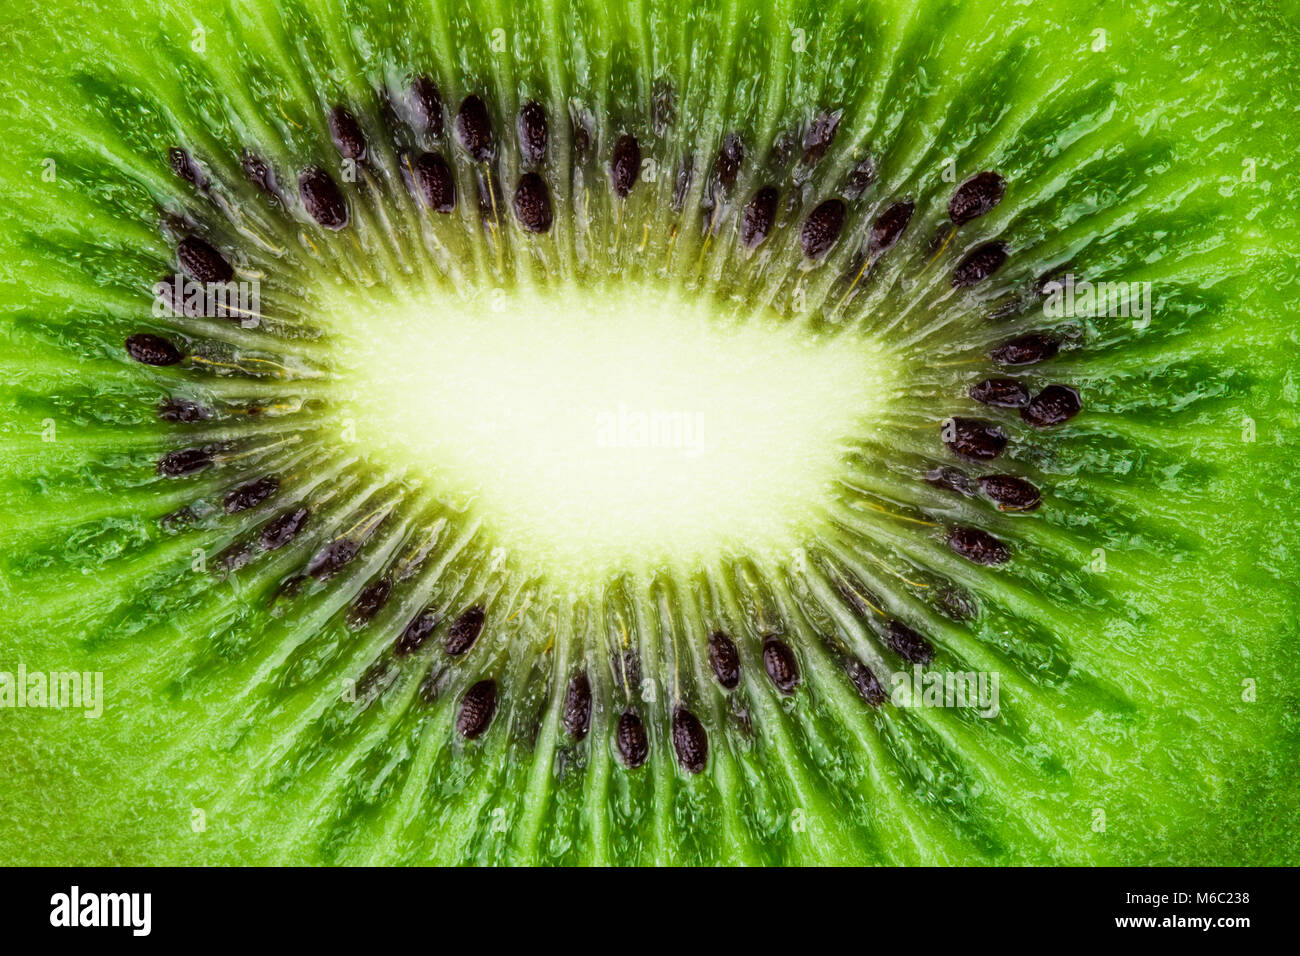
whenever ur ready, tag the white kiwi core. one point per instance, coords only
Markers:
(610, 428)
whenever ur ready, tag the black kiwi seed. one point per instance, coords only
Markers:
(974, 438)
(322, 199)
(690, 741)
(417, 631)
(152, 349)
(867, 684)
(1011, 492)
(283, 529)
(1000, 393)
(633, 745)
(532, 203)
(202, 262)
(577, 706)
(822, 228)
(347, 135)
(474, 129)
(1052, 406)
(977, 545)
(625, 165)
(979, 264)
(952, 479)
(862, 175)
(184, 166)
(465, 630)
(251, 494)
(370, 602)
(758, 216)
(258, 172)
(426, 105)
(437, 184)
(1026, 349)
(820, 135)
(332, 557)
(477, 708)
(183, 410)
(889, 228)
(724, 660)
(780, 664)
(975, 197)
(908, 644)
(185, 461)
(533, 132)
(730, 156)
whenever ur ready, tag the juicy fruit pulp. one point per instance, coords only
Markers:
(390, 568)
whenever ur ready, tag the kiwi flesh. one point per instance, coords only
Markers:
(634, 401)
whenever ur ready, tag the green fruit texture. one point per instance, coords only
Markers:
(655, 433)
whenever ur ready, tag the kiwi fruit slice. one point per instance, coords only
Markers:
(597, 433)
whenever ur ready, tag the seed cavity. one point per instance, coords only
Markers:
(322, 199)
(958, 604)
(974, 438)
(426, 105)
(332, 558)
(891, 225)
(822, 228)
(347, 135)
(436, 182)
(685, 176)
(533, 132)
(690, 741)
(951, 479)
(201, 262)
(417, 631)
(184, 166)
(1011, 492)
(727, 166)
(781, 666)
(259, 173)
(474, 130)
(370, 602)
(633, 745)
(866, 682)
(580, 120)
(185, 461)
(150, 349)
(251, 494)
(860, 177)
(1000, 393)
(477, 708)
(625, 165)
(975, 197)
(282, 529)
(532, 203)
(979, 264)
(757, 218)
(577, 707)
(183, 410)
(908, 644)
(1026, 349)
(724, 659)
(1052, 406)
(821, 133)
(978, 545)
(465, 630)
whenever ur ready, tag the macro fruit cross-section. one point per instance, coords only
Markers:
(673, 432)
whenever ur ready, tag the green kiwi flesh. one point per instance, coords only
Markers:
(641, 418)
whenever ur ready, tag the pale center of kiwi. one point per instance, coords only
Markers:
(605, 428)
